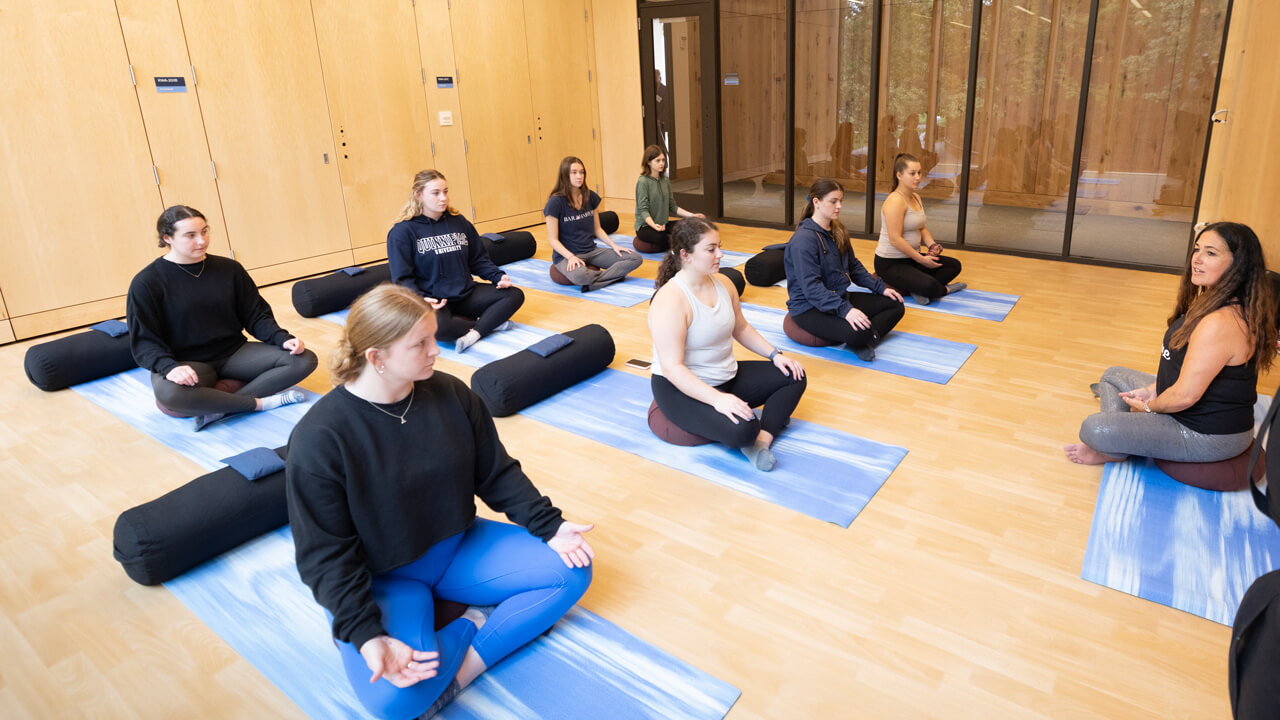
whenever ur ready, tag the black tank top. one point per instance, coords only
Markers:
(1226, 406)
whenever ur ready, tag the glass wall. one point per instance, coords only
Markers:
(1150, 95)
(753, 102)
(1030, 63)
(833, 89)
(924, 65)
(677, 78)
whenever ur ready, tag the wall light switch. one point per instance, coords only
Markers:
(446, 118)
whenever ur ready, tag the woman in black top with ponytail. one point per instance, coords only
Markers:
(820, 267)
(187, 314)
(1222, 333)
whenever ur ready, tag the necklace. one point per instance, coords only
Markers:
(402, 415)
(194, 275)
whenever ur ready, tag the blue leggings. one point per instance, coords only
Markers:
(491, 563)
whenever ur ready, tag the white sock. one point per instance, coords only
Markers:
(288, 397)
(466, 341)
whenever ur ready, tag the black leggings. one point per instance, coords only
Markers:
(484, 308)
(884, 314)
(659, 240)
(758, 382)
(908, 276)
(265, 370)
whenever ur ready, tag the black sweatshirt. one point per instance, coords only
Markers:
(368, 494)
(436, 258)
(175, 317)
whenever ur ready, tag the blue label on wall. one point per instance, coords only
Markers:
(444, 81)
(171, 84)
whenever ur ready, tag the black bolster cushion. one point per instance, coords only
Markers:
(316, 296)
(159, 540)
(609, 222)
(736, 278)
(516, 245)
(77, 358)
(766, 268)
(517, 381)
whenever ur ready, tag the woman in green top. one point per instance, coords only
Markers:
(655, 203)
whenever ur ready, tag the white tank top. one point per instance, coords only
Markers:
(911, 224)
(708, 343)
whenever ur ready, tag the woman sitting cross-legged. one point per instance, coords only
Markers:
(1198, 407)
(573, 225)
(698, 384)
(187, 312)
(820, 268)
(434, 251)
(382, 478)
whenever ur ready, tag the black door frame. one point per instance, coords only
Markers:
(709, 201)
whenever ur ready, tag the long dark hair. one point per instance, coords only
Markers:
(565, 188)
(818, 190)
(899, 164)
(1244, 280)
(684, 236)
(650, 152)
(167, 224)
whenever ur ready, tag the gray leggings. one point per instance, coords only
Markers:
(266, 370)
(615, 267)
(1118, 432)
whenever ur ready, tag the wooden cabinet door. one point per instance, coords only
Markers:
(373, 77)
(78, 202)
(435, 42)
(175, 131)
(258, 77)
(493, 64)
(561, 86)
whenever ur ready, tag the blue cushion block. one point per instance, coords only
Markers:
(113, 328)
(493, 237)
(256, 463)
(549, 344)
(351, 271)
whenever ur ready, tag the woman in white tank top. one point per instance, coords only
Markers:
(907, 257)
(696, 382)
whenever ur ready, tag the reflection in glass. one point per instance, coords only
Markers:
(1027, 100)
(753, 61)
(831, 110)
(1150, 93)
(924, 62)
(677, 120)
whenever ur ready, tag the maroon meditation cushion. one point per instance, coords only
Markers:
(669, 431)
(1223, 476)
(802, 336)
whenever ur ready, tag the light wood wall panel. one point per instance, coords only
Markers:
(374, 81)
(76, 191)
(561, 85)
(493, 62)
(156, 45)
(1237, 185)
(263, 97)
(753, 113)
(617, 43)
(435, 45)
(6, 332)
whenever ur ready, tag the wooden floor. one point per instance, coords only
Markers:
(956, 593)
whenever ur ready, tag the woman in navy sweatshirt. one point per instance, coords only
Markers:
(820, 268)
(434, 251)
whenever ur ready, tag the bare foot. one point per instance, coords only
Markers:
(1085, 455)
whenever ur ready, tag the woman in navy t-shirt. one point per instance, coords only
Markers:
(573, 225)
(434, 251)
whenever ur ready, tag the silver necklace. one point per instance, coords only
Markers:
(194, 275)
(402, 415)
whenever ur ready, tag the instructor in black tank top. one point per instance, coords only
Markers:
(1199, 405)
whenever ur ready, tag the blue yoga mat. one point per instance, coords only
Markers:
(532, 273)
(486, 350)
(584, 667)
(821, 472)
(732, 258)
(1191, 549)
(980, 304)
(914, 356)
(128, 396)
